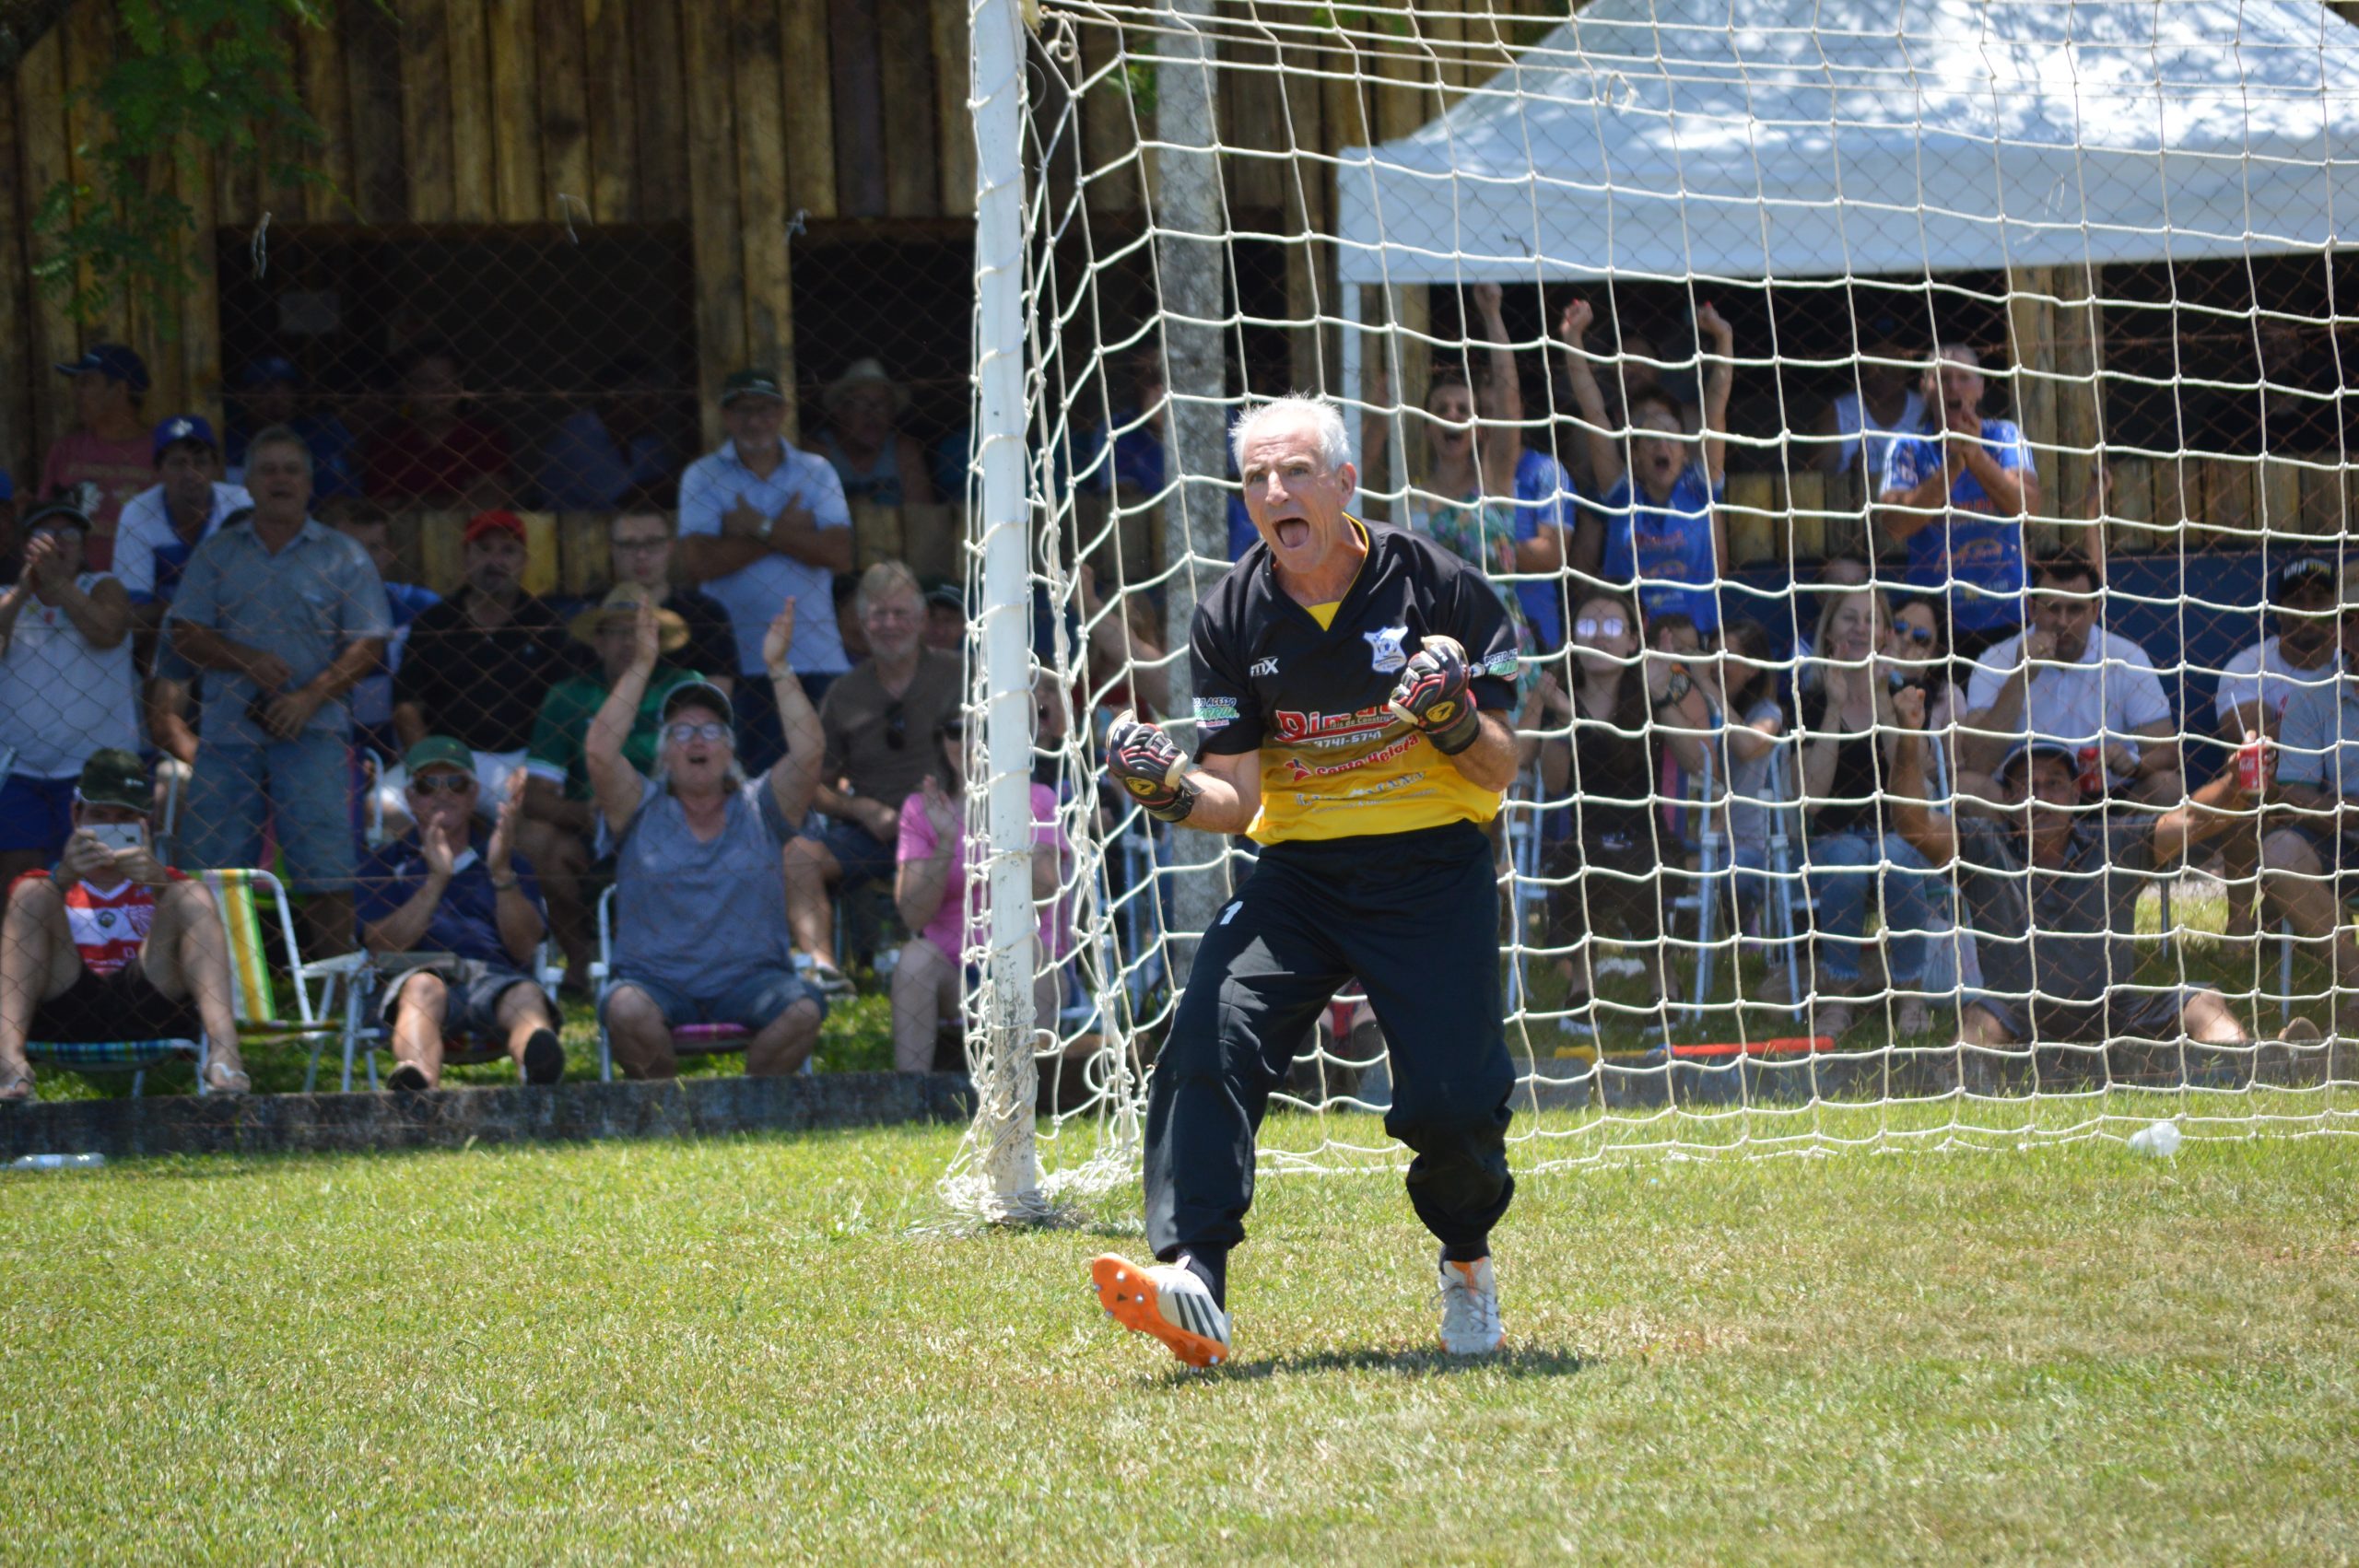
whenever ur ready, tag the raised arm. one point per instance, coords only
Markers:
(1931, 836)
(1605, 450)
(794, 778)
(615, 784)
(1498, 441)
(1719, 380)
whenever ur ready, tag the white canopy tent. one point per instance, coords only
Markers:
(1826, 138)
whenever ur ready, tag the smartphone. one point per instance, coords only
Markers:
(119, 835)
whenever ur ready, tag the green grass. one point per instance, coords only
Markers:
(694, 1351)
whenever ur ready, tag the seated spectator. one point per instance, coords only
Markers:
(108, 447)
(1123, 458)
(1837, 575)
(700, 931)
(271, 392)
(1863, 421)
(642, 539)
(945, 618)
(437, 451)
(876, 722)
(2066, 678)
(944, 909)
(1957, 497)
(2312, 839)
(65, 686)
(841, 593)
(1755, 753)
(114, 945)
(372, 699)
(163, 524)
(448, 887)
(286, 616)
(558, 797)
(2255, 686)
(1845, 756)
(480, 662)
(604, 450)
(759, 522)
(1660, 524)
(875, 460)
(1127, 664)
(2051, 894)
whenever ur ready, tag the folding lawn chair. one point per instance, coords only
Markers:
(688, 1039)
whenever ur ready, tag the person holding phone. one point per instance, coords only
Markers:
(112, 944)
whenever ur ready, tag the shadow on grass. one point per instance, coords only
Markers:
(1407, 1362)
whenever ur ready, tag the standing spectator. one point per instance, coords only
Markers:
(875, 460)
(108, 447)
(2066, 678)
(877, 722)
(1124, 456)
(604, 450)
(759, 522)
(447, 886)
(66, 687)
(1660, 524)
(271, 392)
(113, 946)
(1860, 425)
(372, 699)
(480, 662)
(945, 616)
(2255, 686)
(699, 912)
(942, 906)
(289, 617)
(1957, 497)
(437, 451)
(642, 539)
(163, 524)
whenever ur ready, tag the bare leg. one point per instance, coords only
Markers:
(921, 981)
(187, 956)
(424, 1003)
(641, 1040)
(2297, 885)
(37, 961)
(2240, 864)
(811, 870)
(785, 1042)
(524, 1011)
(2208, 1017)
(1978, 1033)
(560, 860)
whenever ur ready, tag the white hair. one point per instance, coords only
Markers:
(1326, 423)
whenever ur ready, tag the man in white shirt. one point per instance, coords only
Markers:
(2255, 686)
(2313, 838)
(161, 527)
(2065, 678)
(760, 523)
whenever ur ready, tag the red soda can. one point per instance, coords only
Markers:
(2092, 770)
(2248, 763)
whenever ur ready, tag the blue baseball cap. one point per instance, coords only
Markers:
(2037, 748)
(185, 427)
(115, 361)
(271, 369)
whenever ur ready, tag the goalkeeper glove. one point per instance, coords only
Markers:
(1434, 698)
(1148, 763)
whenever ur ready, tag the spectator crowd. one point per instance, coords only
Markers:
(1932, 780)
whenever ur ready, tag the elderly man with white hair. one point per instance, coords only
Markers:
(1353, 688)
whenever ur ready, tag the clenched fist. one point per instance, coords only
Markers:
(1148, 763)
(1434, 698)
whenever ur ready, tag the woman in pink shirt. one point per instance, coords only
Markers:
(946, 910)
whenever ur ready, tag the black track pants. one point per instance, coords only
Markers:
(1414, 918)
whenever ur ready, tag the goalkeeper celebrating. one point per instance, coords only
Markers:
(1353, 684)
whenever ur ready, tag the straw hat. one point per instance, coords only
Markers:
(625, 598)
(863, 373)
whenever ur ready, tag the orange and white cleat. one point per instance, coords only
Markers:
(1166, 1301)
(1470, 1309)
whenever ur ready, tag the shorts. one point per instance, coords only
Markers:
(472, 1010)
(304, 783)
(125, 1005)
(752, 1003)
(36, 813)
(1622, 905)
(2124, 1013)
(864, 858)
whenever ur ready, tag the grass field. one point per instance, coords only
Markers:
(667, 1351)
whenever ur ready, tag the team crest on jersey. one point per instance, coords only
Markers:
(1384, 651)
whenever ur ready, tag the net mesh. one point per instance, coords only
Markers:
(1659, 314)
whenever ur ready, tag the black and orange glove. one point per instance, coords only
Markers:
(1148, 763)
(1434, 696)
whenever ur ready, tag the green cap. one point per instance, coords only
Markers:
(754, 383)
(438, 751)
(114, 777)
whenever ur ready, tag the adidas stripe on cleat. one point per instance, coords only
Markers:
(1166, 1301)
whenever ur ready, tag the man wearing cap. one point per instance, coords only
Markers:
(558, 807)
(288, 615)
(2255, 686)
(163, 524)
(761, 523)
(448, 887)
(478, 664)
(65, 686)
(108, 447)
(113, 946)
(271, 392)
(2050, 887)
(2312, 840)
(2066, 678)
(877, 463)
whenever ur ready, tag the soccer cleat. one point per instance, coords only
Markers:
(1166, 1301)
(1470, 1308)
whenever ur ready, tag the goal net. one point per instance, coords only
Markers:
(1798, 372)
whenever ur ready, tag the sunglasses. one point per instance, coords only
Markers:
(681, 734)
(897, 726)
(1612, 626)
(1921, 636)
(442, 784)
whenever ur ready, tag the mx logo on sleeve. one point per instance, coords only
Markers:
(1384, 652)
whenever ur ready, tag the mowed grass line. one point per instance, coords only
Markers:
(694, 1351)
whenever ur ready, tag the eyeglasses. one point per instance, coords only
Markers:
(441, 784)
(1921, 636)
(897, 726)
(681, 734)
(1612, 626)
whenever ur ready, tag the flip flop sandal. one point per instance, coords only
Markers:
(218, 1081)
(17, 1090)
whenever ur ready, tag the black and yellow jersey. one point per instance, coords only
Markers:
(1335, 763)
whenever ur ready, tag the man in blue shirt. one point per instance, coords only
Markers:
(1957, 497)
(1125, 457)
(1659, 526)
(449, 888)
(272, 393)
